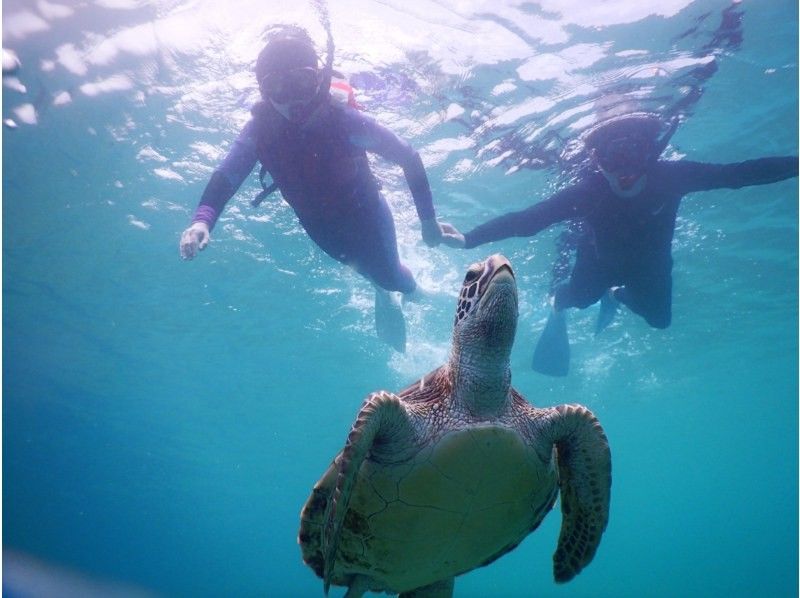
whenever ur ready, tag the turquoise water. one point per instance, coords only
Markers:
(164, 421)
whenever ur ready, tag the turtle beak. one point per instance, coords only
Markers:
(501, 284)
(499, 270)
(502, 288)
(504, 274)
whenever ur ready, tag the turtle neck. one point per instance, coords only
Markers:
(481, 382)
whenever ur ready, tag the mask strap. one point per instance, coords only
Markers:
(265, 191)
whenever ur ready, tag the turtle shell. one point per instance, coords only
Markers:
(459, 503)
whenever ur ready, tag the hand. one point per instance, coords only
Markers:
(194, 238)
(434, 233)
(451, 236)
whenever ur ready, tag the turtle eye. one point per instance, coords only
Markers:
(473, 273)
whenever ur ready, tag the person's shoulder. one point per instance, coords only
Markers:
(350, 116)
(674, 170)
(573, 194)
(261, 111)
(589, 190)
(587, 184)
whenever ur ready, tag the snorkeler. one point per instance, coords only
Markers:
(628, 204)
(314, 148)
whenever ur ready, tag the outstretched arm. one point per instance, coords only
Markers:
(699, 176)
(367, 133)
(224, 182)
(563, 205)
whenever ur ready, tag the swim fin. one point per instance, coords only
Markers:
(608, 310)
(551, 355)
(390, 323)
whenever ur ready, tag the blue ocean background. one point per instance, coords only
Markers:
(164, 421)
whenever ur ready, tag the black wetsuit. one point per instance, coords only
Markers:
(322, 171)
(628, 241)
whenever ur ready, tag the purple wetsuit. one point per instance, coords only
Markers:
(628, 241)
(322, 171)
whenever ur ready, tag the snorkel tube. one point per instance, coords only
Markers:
(327, 71)
(663, 141)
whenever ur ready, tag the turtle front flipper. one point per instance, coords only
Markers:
(584, 471)
(382, 418)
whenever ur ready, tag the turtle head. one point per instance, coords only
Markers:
(486, 317)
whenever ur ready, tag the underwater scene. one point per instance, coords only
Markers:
(186, 344)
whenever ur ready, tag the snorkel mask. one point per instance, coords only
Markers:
(623, 148)
(288, 74)
(294, 85)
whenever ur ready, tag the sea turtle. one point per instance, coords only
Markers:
(457, 469)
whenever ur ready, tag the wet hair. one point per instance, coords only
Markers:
(288, 47)
(641, 126)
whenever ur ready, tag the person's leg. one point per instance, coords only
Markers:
(375, 256)
(585, 287)
(650, 297)
(375, 252)
(365, 240)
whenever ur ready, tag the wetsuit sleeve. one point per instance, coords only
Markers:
(698, 176)
(365, 132)
(228, 177)
(564, 205)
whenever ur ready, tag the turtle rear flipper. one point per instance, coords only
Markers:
(584, 470)
(440, 589)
